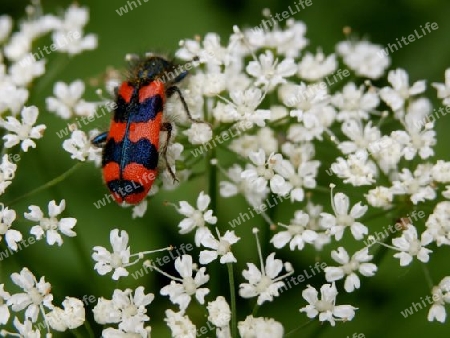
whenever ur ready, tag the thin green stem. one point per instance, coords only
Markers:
(426, 272)
(233, 301)
(50, 183)
(298, 328)
(212, 186)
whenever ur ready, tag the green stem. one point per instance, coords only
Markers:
(298, 328)
(426, 272)
(212, 186)
(255, 310)
(50, 183)
(233, 301)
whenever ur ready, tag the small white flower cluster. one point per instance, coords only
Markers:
(36, 302)
(375, 144)
(22, 62)
(284, 95)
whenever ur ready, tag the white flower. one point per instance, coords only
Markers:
(36, 294)
(358, 262)
(364, 58)
(4, 296)
(441, 171)
(264, 283)
(259, 327)
(294, 178)
(443, 90)
(264, 138)
(13, 98)
(5, 27)
(127, 309)
(70, 318)
(198, 133)
(380, 197)
(196, 218)
(357, 169)
(342, 219)
(417, 185)
(353, 103)
(23, 132)
(409, 246)
(361, 137)
(26, 329)
(24, 71)
(71, 32)
(440, 295)
(67, 98)
(181, 293)
(221, 247)
(263, 173)
(118, 260)
(7, 173)
(51, 225)
(296, 234)
(268, 72)
(11, 236)
(413, 139)
(438, 226)
(316, 67)
(219, 312)
(240, 185)
(81, 147)
(180, 325)
(326, 306)
(243, 106)
(323, 236)
(400, 91)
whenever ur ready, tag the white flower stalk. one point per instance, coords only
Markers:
(264, 282)
(326, 306)
(180, 290)
(51, 227)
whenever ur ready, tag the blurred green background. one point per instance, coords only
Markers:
(159, 25)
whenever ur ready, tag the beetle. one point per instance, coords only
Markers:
(131, 146)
